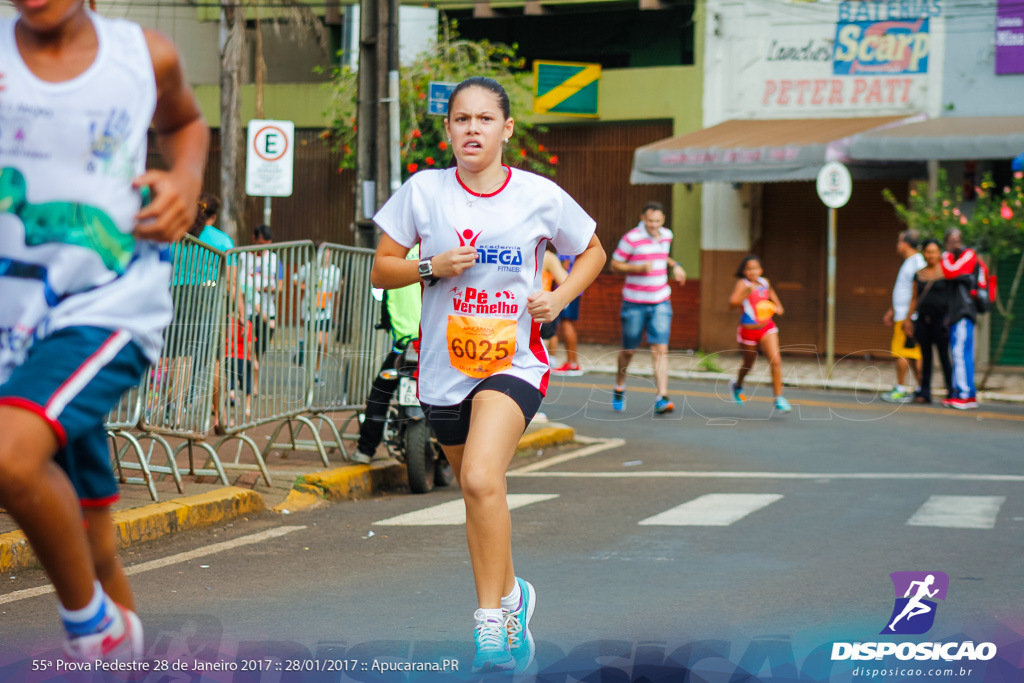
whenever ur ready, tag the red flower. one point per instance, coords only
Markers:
(416, 133)
(540, 147)
(442, 145)
(430, 161)
(423, 95)
(411, 168)
(1006, 212)
(522, 153)
(553, 159)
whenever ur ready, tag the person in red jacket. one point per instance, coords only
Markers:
(962, 271)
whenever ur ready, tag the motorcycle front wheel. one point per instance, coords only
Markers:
(443, 473)
(419, 457)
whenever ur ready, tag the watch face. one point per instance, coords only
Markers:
(425, 269)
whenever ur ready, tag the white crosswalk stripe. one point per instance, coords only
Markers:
(713, 509)
(958, 512)
(453, 513)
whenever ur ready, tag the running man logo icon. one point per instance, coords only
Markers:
(914, 613)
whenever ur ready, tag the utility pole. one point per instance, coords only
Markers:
(376, 120)
(232, 48)
(366, 124)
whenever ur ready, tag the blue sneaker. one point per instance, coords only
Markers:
(492, 653)
(618, 400)
(782, 405)
(520, 640)
(737, 392)
(663, 405)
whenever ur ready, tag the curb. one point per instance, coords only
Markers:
(352, 482)
(150, 522)
(551, 435)
(795, 382)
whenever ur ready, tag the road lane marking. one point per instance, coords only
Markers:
(453, 513)
(867, 476)
(606, 444)
(170, 560)
(713, 509)
(890, 408)
(958, 512)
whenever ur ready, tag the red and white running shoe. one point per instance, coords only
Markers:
(568, 369)
(121, 641)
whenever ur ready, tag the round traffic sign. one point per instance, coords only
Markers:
(270, 143)
(834, 184)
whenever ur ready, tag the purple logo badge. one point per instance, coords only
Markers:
(916, 592)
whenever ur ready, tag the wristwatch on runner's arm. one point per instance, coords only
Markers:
(427, 272)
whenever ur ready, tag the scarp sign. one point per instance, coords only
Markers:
(884, 37)
(882, 47)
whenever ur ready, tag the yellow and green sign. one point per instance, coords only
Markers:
(566, 88)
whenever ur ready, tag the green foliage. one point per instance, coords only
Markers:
(424, 141)
(992, 221)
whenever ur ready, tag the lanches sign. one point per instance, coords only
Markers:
(875, 55)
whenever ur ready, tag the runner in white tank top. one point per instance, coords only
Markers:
(84, 274)
(482, 230)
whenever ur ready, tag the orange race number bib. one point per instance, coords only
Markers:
(764, 310)
(480, 347)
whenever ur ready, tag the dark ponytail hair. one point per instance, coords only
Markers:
(743, 264)
(488, 84)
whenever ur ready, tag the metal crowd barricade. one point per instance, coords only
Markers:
(270, 343)
(122, 418)
(346, 345)
(178, 390)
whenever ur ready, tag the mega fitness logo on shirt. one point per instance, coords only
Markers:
(507, 259)
(914, 613)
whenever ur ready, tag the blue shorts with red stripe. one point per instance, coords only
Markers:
(72, 379)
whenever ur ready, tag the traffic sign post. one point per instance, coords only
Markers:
(834, 188)
(438, 93)
(269, 160)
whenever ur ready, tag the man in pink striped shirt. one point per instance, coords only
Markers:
(642, 255)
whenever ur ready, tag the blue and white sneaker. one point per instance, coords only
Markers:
(782, 405)
(737, 392)
(520, 640)
(618, 400)
(492, 653)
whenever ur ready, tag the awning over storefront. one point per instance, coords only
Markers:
(752, 150)
(948, 138)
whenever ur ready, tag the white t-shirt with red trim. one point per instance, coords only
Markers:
(469, 321)
(637, 246)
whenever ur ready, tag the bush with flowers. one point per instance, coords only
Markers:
(424, 141)
(992, 222)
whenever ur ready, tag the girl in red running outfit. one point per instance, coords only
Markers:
(482, 228)
(755, 297)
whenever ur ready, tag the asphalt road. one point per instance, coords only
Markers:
(728, 540)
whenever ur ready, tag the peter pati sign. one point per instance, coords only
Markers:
(875, 56)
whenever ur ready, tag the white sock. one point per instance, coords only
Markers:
(622, 388)
(899, 388)
(93, 617)
(493, 615)
(512, 601)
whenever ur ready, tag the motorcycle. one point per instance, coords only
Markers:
(407, 434)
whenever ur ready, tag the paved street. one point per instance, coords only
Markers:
(765, 537)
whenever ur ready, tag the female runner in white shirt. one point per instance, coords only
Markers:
(482, 228)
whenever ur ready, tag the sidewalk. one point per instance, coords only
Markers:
(299, 482)
(798, 370)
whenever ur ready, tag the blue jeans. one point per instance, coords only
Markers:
(655, 319)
